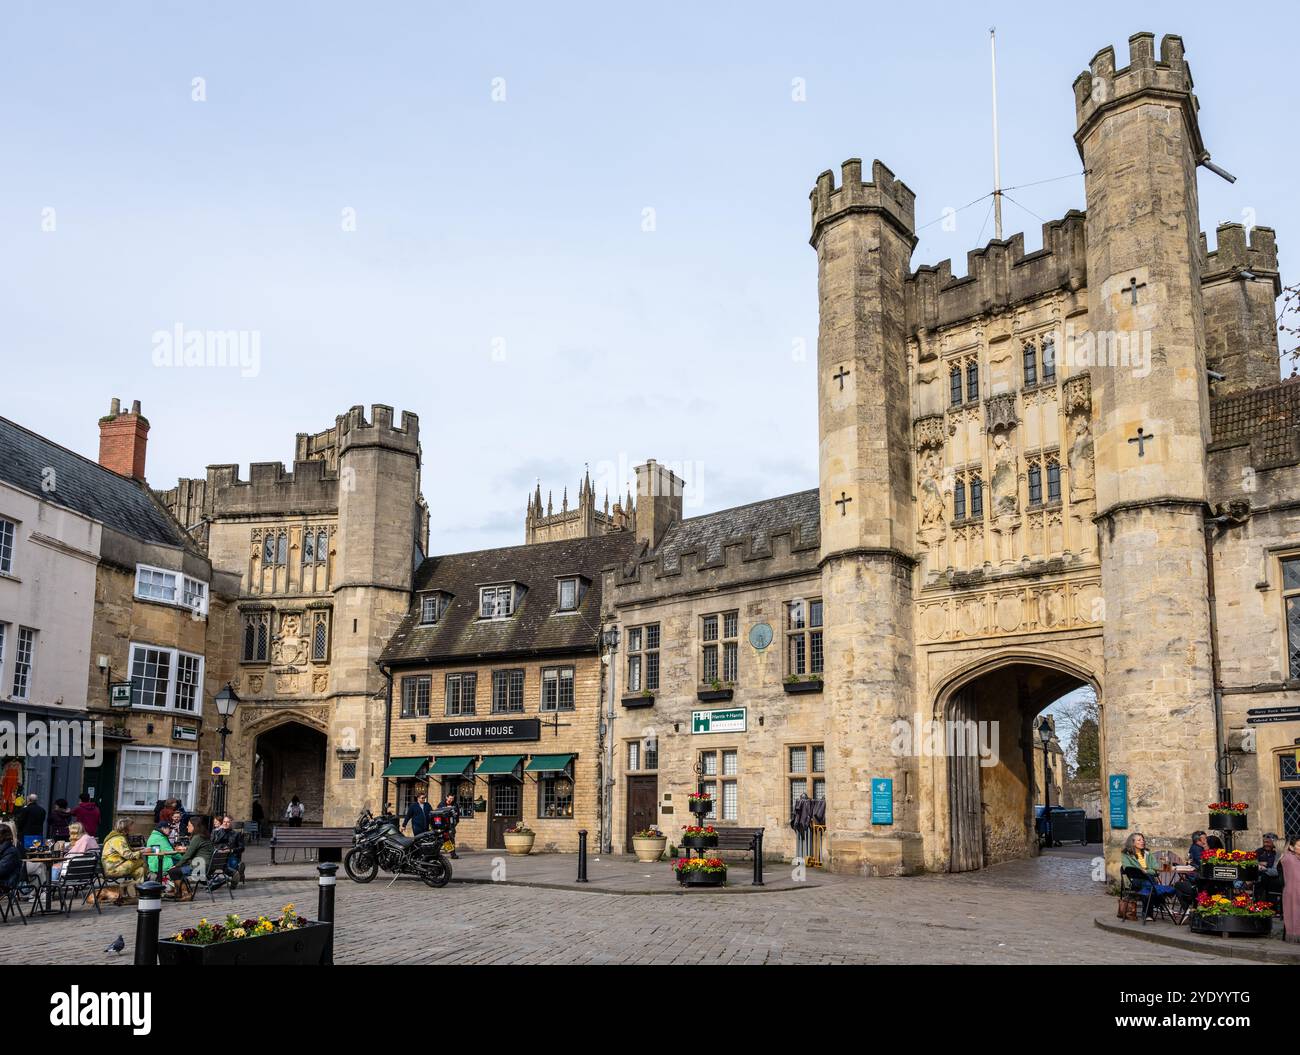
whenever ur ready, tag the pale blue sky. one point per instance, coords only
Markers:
(517, 225)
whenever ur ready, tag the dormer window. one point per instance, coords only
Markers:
(432, 605)
(498, 601)
(571, 589)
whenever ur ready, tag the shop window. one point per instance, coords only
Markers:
(555, 797)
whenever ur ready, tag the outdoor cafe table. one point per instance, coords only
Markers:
(48, 861)
(158, 851)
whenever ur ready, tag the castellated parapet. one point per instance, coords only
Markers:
(355, 431)
(1102, 88)
(999, 276)
(1235, 251)
(884, 194)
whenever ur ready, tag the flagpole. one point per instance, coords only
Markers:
(997, 175)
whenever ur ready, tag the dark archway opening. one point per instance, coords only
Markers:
(290, 760)
(999, 776)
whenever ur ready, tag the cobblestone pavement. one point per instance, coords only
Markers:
(1027, 912)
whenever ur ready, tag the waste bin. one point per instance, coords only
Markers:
(1092, 829)
(1069, 826)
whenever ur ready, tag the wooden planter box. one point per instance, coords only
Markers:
(714, 695)
(798, 688)
(699, 842)
(632, 702)
(1228, 822)
(703, 878)
(1233, 926)
(292, 948)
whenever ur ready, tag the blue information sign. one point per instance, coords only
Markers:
(882, 800)
(1118, 783)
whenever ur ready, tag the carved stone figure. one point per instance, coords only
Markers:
(1081, 461)
(1004, 477)
(932, 504)
(289, 646)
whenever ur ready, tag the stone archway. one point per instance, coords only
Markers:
(988, 709)
(283, 753)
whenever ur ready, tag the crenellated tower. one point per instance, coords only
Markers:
(379, 524)
(1141, 144)
(864, 233)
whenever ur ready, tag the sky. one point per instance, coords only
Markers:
(564, 235)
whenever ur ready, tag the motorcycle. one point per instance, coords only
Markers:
(379, 843)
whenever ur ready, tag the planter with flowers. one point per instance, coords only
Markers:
(699, 804)
(287, 940)
(1229, 865)
(701, 871)
(519, 840)
(1228, 816)
(699, 837)
(1240, 916)
(649, 844)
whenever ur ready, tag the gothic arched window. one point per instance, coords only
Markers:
(959, 500)
(1035, 485)
(322, 547)
(1031, 364)
(976, 497)
(308, 547)
(1053, 482)
(282, 551)
(268, 550)
(972, 381)
(1049, 359)
(954, 386)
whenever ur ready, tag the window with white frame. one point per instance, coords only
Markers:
(806, 771)
(570, 594)
(720, 780)
(1291, 608)
(508, 691)
(416, 692)
(166, 679)
(557, 689)
(170, 587)
(432, 606)
(643, 658)
(804, 637)
(4, 637)
(24, 660)
(8, 532)
(496, 602)
(153, 773)
(642, 754)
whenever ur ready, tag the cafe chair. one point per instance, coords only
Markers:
(1150, 900)
(218, 873)
(78, 876)
(12, 898)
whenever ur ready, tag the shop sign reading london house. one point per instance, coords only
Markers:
(483, 731)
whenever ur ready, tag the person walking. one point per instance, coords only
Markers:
(87, 814)
(1289, 865)
(30, 821)
(418, 814)
(294, 811)
(452, 811)
(60, 818)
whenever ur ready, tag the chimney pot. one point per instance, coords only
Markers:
(123, 439)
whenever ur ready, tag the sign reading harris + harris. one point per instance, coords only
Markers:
(483, 731)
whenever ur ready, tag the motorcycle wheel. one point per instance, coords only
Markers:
(438, 873)
(360, 865)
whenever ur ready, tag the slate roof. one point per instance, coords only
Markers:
(535, 627)
(1268, 418)
(84, 486)
(752, 524)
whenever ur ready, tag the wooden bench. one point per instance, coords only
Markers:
(746, 840)
(329, 843)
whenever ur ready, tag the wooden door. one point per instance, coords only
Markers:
(505, 809)
(642, 805)
(965, 801)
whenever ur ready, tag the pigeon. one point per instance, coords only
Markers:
(117, 945)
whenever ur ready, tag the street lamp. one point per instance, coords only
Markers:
(226, 702)
(1045, 735)
(610, 640)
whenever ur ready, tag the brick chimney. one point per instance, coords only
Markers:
(122, 440)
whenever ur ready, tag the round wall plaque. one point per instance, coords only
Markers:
(760, 636)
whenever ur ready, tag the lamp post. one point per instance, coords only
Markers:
(226, 702)
(610, 640)
(1045, 735)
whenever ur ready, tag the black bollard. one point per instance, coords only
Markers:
(325, 908)
(582, 856)
(148, 912)
(758, 859)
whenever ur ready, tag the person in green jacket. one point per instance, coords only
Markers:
(199, 850)
(158, 841)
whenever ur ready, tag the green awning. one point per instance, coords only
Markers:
(451, 766)
(499, 764)
(405, 767)
(549, 763)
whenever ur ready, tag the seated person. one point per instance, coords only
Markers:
(227, 837)
(1135, 855)
(11, 859)
(120, 860)
(80, 842)
(158, 840)
(1200, 843)
(198, 854)
(1266, 855)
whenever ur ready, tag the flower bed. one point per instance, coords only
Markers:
(695, 837)
(1240, 915)
(1242, 864)
(284, 940)
(701, 871)
(1228, 816)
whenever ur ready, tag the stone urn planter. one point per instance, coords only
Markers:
(519, 844)
(649, 848)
